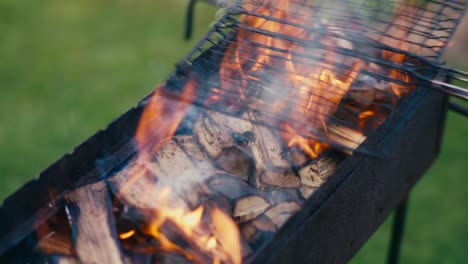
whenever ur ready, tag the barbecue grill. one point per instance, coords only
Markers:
(289, 133)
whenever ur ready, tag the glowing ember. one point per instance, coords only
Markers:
(127, 235)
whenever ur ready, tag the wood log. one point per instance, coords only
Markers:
(181, 162)
(268, 149)
(276, 195)
(310, 175)
(298, 157)
(269, 153)
(54, 245)
(327, 165)
(135, 185)
(230, 186)
(217, 131)
(280, 213)
(249, 207)
(224, 139)
(346, 137)
(314, 174)
(236, 162)
(283, 179)
(186, 244)
(90, 212)
(258, 230)
(264, 224)
(307, 191)
(178, 164)
(54, 236)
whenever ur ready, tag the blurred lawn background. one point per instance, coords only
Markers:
(67, 68)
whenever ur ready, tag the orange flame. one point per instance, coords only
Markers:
(306, 92)
(159, 121)
(162, 115)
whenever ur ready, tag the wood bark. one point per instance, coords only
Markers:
(249, 207)
(94, 231)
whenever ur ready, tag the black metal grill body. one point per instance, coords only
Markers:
(346, 210)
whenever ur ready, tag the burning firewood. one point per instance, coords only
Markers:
(135, 185)
(267, 147)
(284, 179)
(346, 137)
(54, 236)
(250, 207)
(316, 173)
(231, 187)
(258, 230)
(171, 231)
(280, 213)
(90, 213)
(224, 139)
(178, 164)
(310, 176)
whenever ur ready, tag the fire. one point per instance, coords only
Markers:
(162, 116)
(302, 95)
(127, 235)
(306, 91)
(159, 121)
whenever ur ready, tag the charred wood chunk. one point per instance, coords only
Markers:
(90, 213)
(180, 162)
(235, 162)
(348, 138)
(178, 166)
(216, 132)
(54, 236)
(54, 244)
(173, 233)
(224, 139)
(216, 200)
(283, 179)
(231, 187)
(307, 191)
(310, 175)
(135, 185)
(298, 157)
(327, 165)
(258, 231)
(249, 207)
(314, 174)
(276, 195)
(268, 149)
(280, 213)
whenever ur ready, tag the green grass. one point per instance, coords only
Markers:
(67, 68)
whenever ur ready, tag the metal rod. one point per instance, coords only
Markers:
(460, 109)
(451, 89)
(397, 232)
(189, 20)
(190, 14)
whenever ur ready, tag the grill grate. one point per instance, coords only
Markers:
(332, 53)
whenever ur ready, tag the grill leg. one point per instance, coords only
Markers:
(397, 232)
